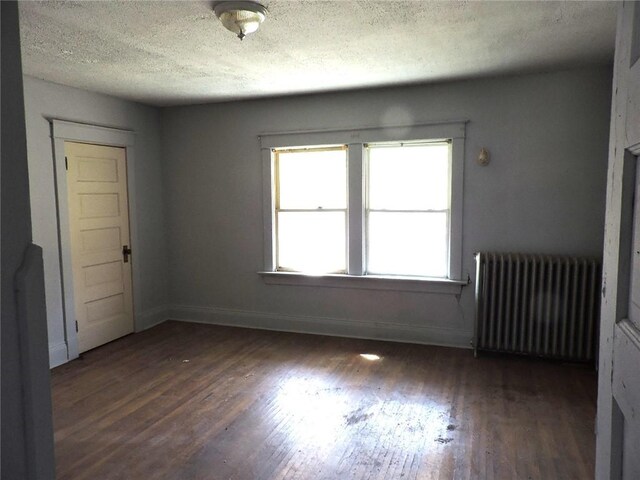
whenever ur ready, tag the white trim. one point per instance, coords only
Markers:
(421, 334)
(61, 131)
(57, 354)
(152, 317)
(268, 205)
(355, 211)
(377, 134)
(83, 132)
(366, 282)
(456, 214)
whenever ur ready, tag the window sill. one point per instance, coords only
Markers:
(366, 282)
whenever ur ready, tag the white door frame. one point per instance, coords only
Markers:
(65, 131)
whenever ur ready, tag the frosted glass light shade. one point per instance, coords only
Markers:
(241, 18)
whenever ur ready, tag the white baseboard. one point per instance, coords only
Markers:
(57, 354)
(152, 317)
(429, 335)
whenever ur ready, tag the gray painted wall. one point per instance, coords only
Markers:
(46, 100)
(544, 191)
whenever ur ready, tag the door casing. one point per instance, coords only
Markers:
(61, 131)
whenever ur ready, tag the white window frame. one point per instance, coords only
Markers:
(368, 208)
(278, 208)
(356, 139)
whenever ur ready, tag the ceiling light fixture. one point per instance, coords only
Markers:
(242, 17)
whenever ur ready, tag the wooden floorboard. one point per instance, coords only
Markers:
(187, 401)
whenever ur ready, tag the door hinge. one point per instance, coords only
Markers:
(66, 163)
(76, 326)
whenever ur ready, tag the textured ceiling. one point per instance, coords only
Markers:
(169, 53)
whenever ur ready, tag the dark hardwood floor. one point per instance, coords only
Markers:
(187, 401)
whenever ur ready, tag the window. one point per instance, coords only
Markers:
(408, 208)
(311, 209)
(387, 206)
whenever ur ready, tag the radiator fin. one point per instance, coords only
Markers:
(537, 305)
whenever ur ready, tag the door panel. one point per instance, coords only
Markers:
(626, 391)
(100, 240)
(99, 224)
(98, 205)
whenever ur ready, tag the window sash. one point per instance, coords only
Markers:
(276, 163)
(416, 143)
(447, 242)
(311, 210)
(447, 211)
(407, 210)
(288, 268)
(278, 210)
(409, 143)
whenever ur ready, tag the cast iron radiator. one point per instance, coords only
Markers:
(539, 305)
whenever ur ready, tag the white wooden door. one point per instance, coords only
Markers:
(618, 452)
(99, 224)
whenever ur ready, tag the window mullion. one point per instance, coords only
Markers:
(355, 216)
(269, 209)
(456, 208)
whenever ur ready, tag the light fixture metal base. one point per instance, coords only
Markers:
(241, 16)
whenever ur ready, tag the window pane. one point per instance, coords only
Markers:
(312, 179)
(408, 243)
(409, 177)
(312, 242)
